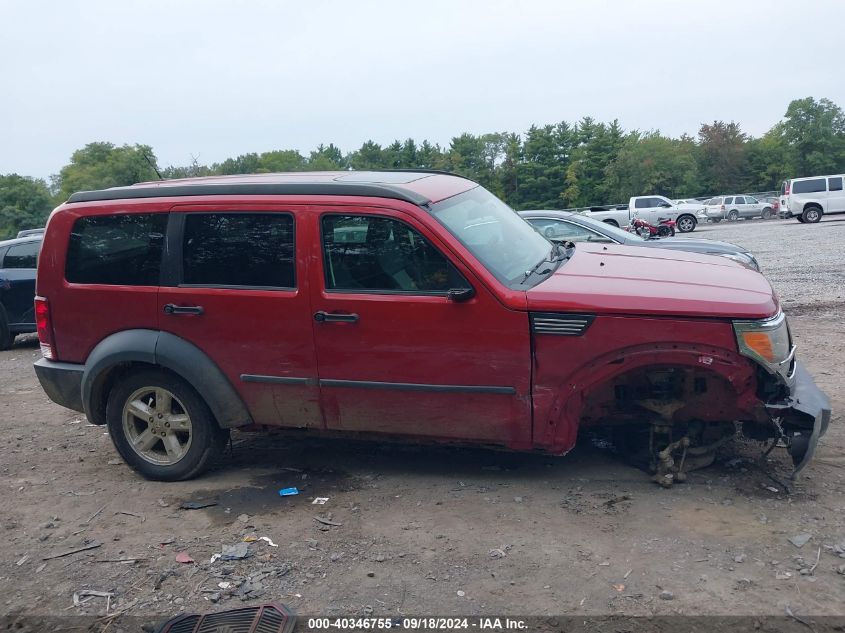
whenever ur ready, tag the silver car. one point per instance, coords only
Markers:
(736, 207)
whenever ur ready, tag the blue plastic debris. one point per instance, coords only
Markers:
(288, 492)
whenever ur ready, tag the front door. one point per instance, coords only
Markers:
(395, 354)
(237, 290)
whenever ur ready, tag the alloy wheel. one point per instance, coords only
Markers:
(157, 426)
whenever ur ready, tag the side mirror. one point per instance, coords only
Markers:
(459, 295)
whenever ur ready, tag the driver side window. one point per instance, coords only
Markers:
(364, 253)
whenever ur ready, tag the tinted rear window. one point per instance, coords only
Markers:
(835, 184)
(116, 250)
(809, 186)
(22, 255)
(239, 249)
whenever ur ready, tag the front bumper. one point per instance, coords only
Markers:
(62, 382)
(806, 412)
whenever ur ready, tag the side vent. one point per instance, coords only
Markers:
(560, 324)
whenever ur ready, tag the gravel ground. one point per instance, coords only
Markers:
(433, 530)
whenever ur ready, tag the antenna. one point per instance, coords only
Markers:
(152, 164)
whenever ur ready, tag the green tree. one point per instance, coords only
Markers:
(102, 165)
(816, 132)
(541, 175)
(722, 158)
(281, 160)
(25, 203)
(326, 158)
(653, 164)
(770, 160)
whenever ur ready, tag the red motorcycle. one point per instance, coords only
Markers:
(665, 228)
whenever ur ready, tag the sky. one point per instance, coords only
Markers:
(212, 79)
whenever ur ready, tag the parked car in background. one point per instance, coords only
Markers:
(29, 232)
(808, 199)
(398, 304)
(737, 208)
(652, 209)
(18, 260)
(559, 226)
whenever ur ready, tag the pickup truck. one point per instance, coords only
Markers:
(652, 209)
(18, 259)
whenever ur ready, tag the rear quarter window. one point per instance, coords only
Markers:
(809, 186)
(120, 250)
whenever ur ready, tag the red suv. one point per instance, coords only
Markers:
(408, 304)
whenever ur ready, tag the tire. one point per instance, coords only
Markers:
(686, 223)
(800, 219)
(767, 213)
(611, 223)
(7, 338)
(733, 216)
(181, 453)
(812, 215)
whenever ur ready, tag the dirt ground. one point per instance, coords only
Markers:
(422, 530)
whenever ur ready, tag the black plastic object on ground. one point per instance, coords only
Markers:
(266, 618)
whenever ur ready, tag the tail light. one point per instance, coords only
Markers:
(45, 328)
(723, 207)
(786, 189)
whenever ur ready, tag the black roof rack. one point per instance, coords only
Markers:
(331, 188)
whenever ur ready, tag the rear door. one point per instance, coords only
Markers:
(234, 286)
(836, 195)
(395, 354)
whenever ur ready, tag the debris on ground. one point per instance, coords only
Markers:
(83, 548)
(667, 595)
(237, 551)
(243, 518)
(184, 557)
(800, 540)
(319, 501)
(267, 539)
(288, 492)
(325, 521)
(131, 514)
(89, 594)
(197, 505)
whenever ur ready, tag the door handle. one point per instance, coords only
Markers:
(329, 317)
(172, 308)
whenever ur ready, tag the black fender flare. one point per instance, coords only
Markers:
(171, 352)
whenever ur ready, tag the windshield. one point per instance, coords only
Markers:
(502, 241)
(608, 229)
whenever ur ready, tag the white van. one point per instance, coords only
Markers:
(808, 199)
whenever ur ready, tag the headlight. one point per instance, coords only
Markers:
(767, 341)
(745, 259)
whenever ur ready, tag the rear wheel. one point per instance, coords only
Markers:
(800, 218)
(7, 338)
(686, 223)
(161, 427)
(733, 216)
(812, 215)
(767, 213)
